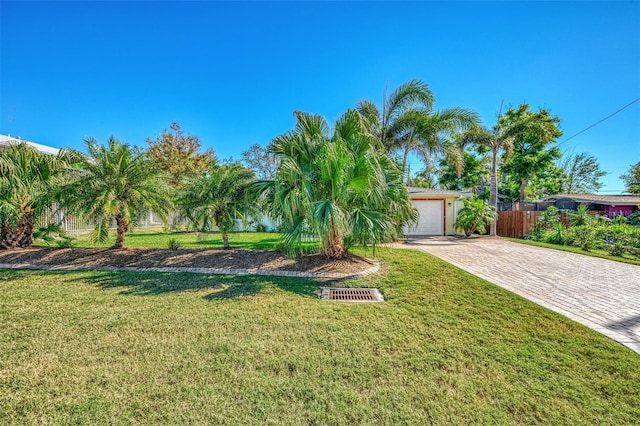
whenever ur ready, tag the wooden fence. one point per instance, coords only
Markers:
(517, 224)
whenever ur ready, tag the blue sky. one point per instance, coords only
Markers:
(233, 73)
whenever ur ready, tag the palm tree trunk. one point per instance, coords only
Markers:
(493, 190)
(122, 228)
(19, 234)
(225, 240)
(472, 229)
(334, 247)
(404, 163)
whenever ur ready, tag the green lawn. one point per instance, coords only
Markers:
(603, 254)
(445, 348)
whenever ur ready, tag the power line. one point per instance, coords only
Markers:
(598, 122)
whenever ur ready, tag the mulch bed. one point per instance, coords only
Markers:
(265, 260)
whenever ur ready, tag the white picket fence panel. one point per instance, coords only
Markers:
(72, 224)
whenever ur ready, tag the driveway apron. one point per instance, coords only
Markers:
(602, 294)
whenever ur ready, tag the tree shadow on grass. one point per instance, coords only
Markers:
(222, 286)
(8, 275)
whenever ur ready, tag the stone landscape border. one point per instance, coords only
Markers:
(213, 271)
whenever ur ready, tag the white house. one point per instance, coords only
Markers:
(8, 140)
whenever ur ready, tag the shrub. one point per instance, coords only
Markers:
(634, 218)
(557, 235)
(260, 227)
(174, 244)
(580, 217)
(53, 233)
(582, 236)
(65, 242)
(616, 249)
(547, 220)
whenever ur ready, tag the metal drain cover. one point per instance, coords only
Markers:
(351, 294)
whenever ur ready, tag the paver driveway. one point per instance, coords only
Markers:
(601, 294)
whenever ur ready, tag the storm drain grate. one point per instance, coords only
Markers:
(351, 294)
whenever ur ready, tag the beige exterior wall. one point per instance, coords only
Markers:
(458, 205)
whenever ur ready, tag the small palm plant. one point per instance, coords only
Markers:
(475, 216)
(115, 183)
(218, 197)
(580, 217)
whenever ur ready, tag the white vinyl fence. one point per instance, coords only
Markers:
(72, 224)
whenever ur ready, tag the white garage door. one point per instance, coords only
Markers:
(430, 220)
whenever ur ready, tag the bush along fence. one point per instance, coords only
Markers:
(618, 236)
(519, 224)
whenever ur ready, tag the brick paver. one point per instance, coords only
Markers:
(601, 294)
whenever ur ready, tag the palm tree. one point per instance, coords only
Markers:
(408, 123)
(340, 186)
(475, 215)
(218, 197)
(499, 140)
(115, 183)
(27, 179)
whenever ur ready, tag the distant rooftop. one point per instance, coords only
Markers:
(610, 200)
(8, 139)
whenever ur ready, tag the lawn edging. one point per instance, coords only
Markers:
(212, 271)
(572, 249)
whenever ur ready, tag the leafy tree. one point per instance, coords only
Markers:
(631, 179)
(475, 216)
(218, 197)
(581, 173)
(474, 175)
(543, 184)
(27, 180)
(408, 122)
(340, 186)
(116, 183)
(261, 161)
(533, 156)
(178, 154)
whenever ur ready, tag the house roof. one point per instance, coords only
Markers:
(7, 140)
(431, 192)
(609, 200)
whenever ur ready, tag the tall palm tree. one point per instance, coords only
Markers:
(338, 185)
(218, 197)
(115, 183)
(408, 122)
(27, 180)
(499, 140)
